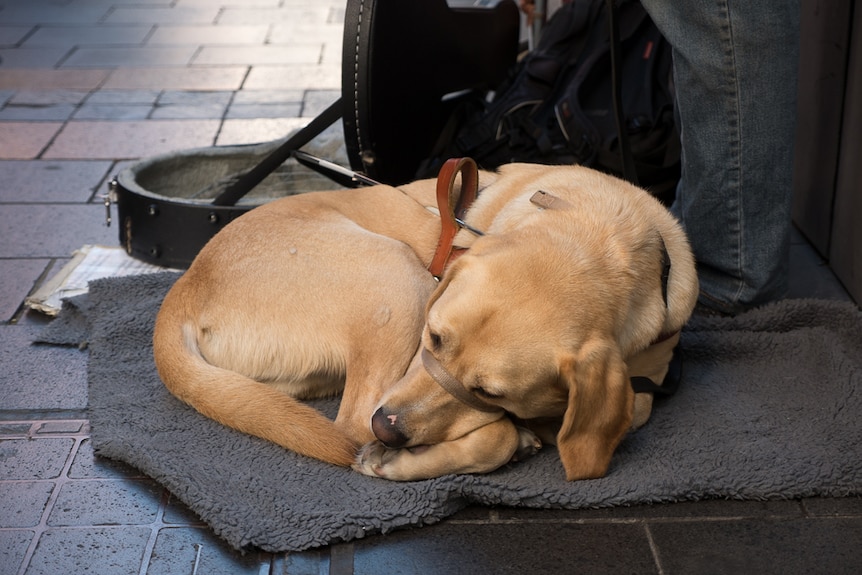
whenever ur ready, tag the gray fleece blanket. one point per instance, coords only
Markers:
(769, 408)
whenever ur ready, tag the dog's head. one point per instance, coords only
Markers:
(537, 322)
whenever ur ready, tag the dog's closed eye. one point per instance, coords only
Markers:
(483, 392)
(436, 340)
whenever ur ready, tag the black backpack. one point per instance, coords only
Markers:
(557, 106)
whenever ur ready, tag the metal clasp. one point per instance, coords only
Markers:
(108, 198)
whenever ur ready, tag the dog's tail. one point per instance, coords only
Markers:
(238, 401)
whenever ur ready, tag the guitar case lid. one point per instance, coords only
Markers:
(400, 61)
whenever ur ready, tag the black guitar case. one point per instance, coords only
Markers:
(403, 65)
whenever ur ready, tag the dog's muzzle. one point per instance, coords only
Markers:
(455, 388)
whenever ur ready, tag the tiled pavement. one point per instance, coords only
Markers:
(86, 86)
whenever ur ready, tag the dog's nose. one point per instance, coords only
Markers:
(387, 428)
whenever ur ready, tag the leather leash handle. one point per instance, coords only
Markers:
(452, 207)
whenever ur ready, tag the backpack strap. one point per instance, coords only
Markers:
(583, 138)
(629, 170)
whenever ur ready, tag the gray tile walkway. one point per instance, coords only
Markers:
(195, 13)
(221, 78)
(121, 140)
(86, 86)
(28, 386)
(17, 278)
(210, 35)
(114, 57)
(26, 140)
(69, 36)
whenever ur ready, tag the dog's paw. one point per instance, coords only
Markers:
(528, 444)
(372, 459)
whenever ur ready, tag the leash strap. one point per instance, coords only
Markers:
(455, 388)
(452, 206)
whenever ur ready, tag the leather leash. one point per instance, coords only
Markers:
(452, 208)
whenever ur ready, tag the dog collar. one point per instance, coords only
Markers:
(451, 384)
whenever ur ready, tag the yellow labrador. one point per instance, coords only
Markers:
(565, 296)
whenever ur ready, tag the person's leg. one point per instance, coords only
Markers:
(735, 69)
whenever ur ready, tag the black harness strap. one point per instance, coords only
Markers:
(671, 381)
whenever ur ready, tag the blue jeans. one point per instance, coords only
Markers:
(735, 69)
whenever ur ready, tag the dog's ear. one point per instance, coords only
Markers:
(599, 411)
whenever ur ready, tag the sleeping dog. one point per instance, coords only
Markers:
(571, 283)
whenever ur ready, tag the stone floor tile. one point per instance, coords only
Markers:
(45, 97)
(119, 112)
(257, 55)
(5, 96)
(177, 104)
(17, 280)
(13, 550)
(760, 546)
(337, 10)
(177, 513)
(15, 429)
(475, 514)
(23, 502)
(258, 130)
(312, 561)
(88, 466)
(28, 385)
(114, 550)
(252, 111)
(212, 35)
(316, 101)
(297, 33)
(290, 14)
(123, 140)
(176, 553)
(106, 502)
(69, 36)
(60, 427)
(36, 112)
(683, 510)
(50, 230)
(834, 507)
(50, 180)
(25, 140)
(124, 97)
(204, 13)
(197, 97)
(331, 54)
(130, 57)
(33, 57)
(221, 78)
(248, 97)
(34, 458)
(504, 548)
(52, 79)
(47, 13)
(11, 35)
(188, 112)
(297, 77)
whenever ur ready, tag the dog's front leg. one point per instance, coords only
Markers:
(480, 451)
